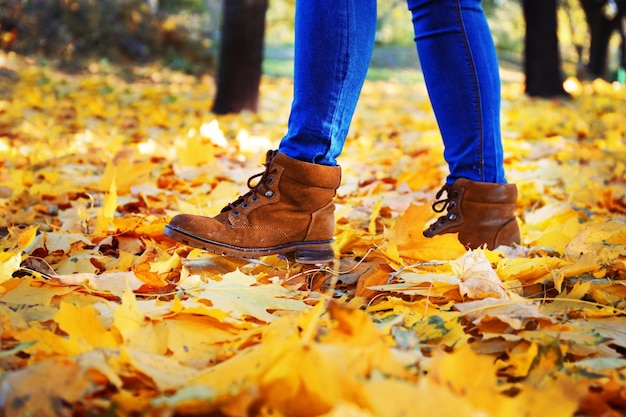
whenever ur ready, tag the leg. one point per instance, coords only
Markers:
(460, 68)
(334, 42)
(290, 209)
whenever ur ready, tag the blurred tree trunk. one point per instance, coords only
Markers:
(241, 55)
(602, 21)
(542, 59)
(621, 77)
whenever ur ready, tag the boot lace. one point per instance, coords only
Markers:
(255, 189)
(442, 204)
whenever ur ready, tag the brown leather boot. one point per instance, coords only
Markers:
(289, 210)
(481, 212)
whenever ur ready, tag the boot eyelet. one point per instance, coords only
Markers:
(254, 199)
(452, 205)
(453, 217)
(236, 213)
(274, 170)
(269, 194)
(245, 205)
(270, 180)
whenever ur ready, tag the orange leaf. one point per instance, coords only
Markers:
(406, 233)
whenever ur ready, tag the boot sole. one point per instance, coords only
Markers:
(314, 252)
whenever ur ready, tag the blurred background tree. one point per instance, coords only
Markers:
(542, 55)
(604, 18)
(185, 34)
(142, 29)
(241, 55)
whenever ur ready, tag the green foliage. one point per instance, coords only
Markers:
(71, 31)
(173, 6)
(394, 27)
(182, 32)
(279, 28)
(80, 27)
(507, 25)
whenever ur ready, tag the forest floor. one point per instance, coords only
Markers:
(129, 323)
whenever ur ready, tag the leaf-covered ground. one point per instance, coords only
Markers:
(100, 314)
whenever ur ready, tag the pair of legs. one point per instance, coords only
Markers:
(290, 209)
(334, 42)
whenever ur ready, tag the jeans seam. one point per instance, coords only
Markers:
(476, 87)
(344, 72)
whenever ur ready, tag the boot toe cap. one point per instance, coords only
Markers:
(183, 221)
(204, 228)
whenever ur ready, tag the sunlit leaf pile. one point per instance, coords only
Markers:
(100, 314)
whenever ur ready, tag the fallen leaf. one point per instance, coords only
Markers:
(239, 295)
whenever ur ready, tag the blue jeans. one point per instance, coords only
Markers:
(334, 42)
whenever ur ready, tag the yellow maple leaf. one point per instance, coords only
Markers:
(26, 237)
(457, 372)
(552, 226)
(83, 325)
(30, 300)
(352, 241)
(47, 343)
(113, 282)
(584, 264)
(154, 265)
(239, 295)
(128, 317)
(306, 376)
(407, 235)
(11, 260)
(540, 400)
(529, 270)
(307, 380)
(520, 359)
(195, 149)
(9, 263)
(606, 241)
(477, 279)
(167, 265)
(197, 337)
(166, 372)
(427, 284)
(514, 312)
(397, 398)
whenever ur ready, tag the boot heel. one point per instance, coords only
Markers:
(508, 234)
(315, 254)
